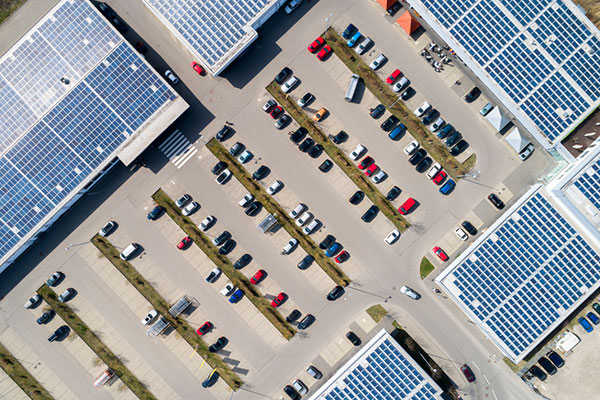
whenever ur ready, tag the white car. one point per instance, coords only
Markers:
(171, 76)
(33, 300)
(245, 156)
(377, 62)
(401, 84)
(304, 218)
(246, 200)
(292, 6)
(213, 275)
(304, 100)
(411, 148)
(183, 200)
(362, 47)
(190, 208)
(291, 245)
(410, 292)
(392, 236)
(227, 289)
(270, 103)
(524, 155)
(297, 211)
(434, 170)
(300, 386)
(461, 234)
(274, 188)
(107, 228)
(206, 223)
(149, 317)
(310, 228)
(223, 177)
(378, 177)
(437, 124)
(423, 108)
(289, 84)
(357, 152)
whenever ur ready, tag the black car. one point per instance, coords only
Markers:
(408, 93)
(120, 25)
(459, 148)
(219, 240)
(223, 133)
(306, 321)
(555, 358)
(290, 391)
(293, 316)
(356, 197)
(336, 293)
(219, 167)
(60, 332)
(417, 157)
(218, 345)
(340, 137)
(327, 242)
(46, 317)
(105, 9)
(431, 116)
(353, 338)
(316, 151)
(283, 121)
(282, 76)
(227, 247)
(326, 165)
(298, 135)
(537, 372)
(306, 144)
(349, 31)
(253, 209)
(393, 193)
(424, 165)
(211, 379)
(155, 213)
(472, 95)
(370, 214)
(260, 173)
(394, 7)
(455, 137)
(469, 228)
(547, 365)
(499, 204)
(389, 123)
(242, 261)
(377, 111)
(306, 262)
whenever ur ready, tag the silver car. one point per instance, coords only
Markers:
(378, 62)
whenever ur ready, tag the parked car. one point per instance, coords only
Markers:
(297, 211)
(304, 218)
(107, 228)
(326, 165)
(33, 301)
(227, 247)
(335, 293)
(593, 317)
(357, 197)
(393, 193)
(547, 365)
(307, 321)
(424, 165)
(204, 328)
(340, 137)
(219, 240)
(430, 116)
(227, 289)
(213, 275)
(466, 370)
(437, 124)
(343, 256)
(310, 228)
(370, 214)
(397, 132)
(410, 293)
(183, 200)
(380, 176)
(401, 84)
(408, 93)
(440, 253)
(291, 392)
(276, 112)
(366, 162)
(469, 228)
(407, 206)
(316, 151)
(527, 151)
(66, 295)
(304, 100)
(322, 55)
(282, 75)
(353, 338)
(377, 111)
(353, 39)
(363, 46)
(446, 131)
(54, 279)
(378, 62)
(393, 76)
(290, 246)
(452, 139)
(439, 178)
(236, 296)
(289, 84)
(298, 135)
(45, 317)
(219, 167)
(224, 177)
(392, 237)
(306, 145)
(236, 149)
(155, 213)
(279, 299)
(485, 110)
(585, 324)
(241, 262)
(218, 345)
(152, 314)
(495, 200)
(59, 333)
(333, 249)
(320, 114)
(472, 95)
(371, 169)
(246, 200)
(257, 277)
(411, 148)
(327, 242)
(224, 133)
(190, 208)
(417, 157)
(423, 108)
(314, 372)
(171, 76)
(283, 121)
(388, 124)
(357, 152)
(300, 386)
(292, 5)
(434, 170)
(314, 46)
(275, 186)
(459, 147)
(184, 243)
(260, 173)
(210, 379)
(268, 106)
(305, 262)
(538, 373)
(555, 358)
(348, 31)
(448, 187)
(461, 234)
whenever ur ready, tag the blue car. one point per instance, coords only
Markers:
(333, 249)
(155, 213)
(354, 39)
(446, 131)
(236, 296)
(397, 131)
(448, 187)
(593, 317)
(586, 325)
(348, 31)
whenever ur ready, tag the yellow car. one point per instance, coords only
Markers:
(320, 114)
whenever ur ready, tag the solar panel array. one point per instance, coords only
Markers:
(211, 28)
(54, 135)
(384, 374)
(538, 51)
(525, 276)
(588, 183)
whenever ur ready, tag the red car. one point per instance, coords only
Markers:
(198, 68)
(316, 44)
(371, 169)
(366, 162)
(467, 373)
(257, 277)
(343, 256)
(407, 206)
(278, 300)
(204, 328)
(184, 243)
(324, 52)
(276, 111)
(393, 76)
(439, 178)
(440, 253)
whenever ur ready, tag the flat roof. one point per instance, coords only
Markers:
(541, 58)
(381, 370)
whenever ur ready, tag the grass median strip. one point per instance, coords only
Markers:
(389, 99)
(336, 274)
(236, 277)
(426, 267)
(159, 303)
(359, 178)
(94, 343)
(377, 312)
(15, 370)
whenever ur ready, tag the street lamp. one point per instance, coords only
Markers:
(73, 245)
(474, 175)
(327, 21)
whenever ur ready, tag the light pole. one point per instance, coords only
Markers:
(327, 21)
(474, 175)
(73, 245)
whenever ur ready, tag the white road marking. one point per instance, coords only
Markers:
(177, 149)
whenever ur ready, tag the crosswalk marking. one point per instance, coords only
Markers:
(178, 149)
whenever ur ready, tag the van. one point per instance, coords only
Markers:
(352, 88)
(364, 45)
(105, 377)
(407, 206)
(354, 39)
(311, 227)
(129, 251)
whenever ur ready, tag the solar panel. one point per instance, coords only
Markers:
(526, 276)
(588, 184)
(540, 53)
